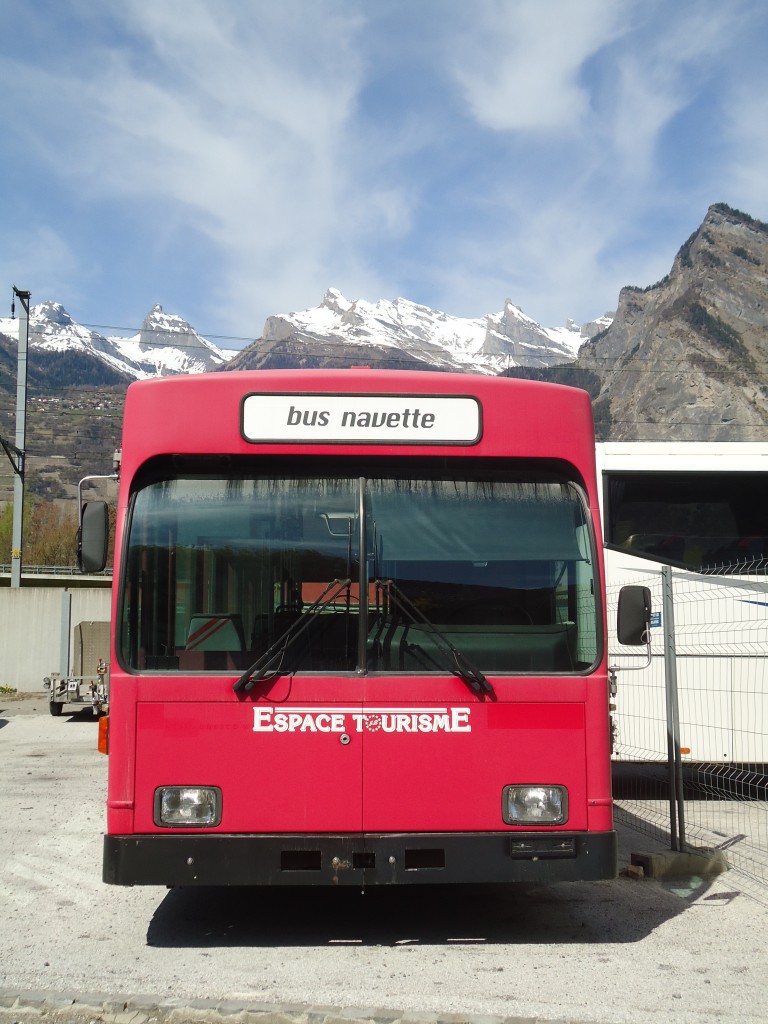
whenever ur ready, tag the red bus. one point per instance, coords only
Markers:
(358, 633)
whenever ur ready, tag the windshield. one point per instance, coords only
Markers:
(264, 568)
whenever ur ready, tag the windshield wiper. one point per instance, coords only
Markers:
(263, 665)
(459, 662)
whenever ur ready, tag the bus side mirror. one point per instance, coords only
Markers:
(93, 536)
(633, 622)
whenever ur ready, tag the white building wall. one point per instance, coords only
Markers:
(32, 620)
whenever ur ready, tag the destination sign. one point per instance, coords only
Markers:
(361, 419)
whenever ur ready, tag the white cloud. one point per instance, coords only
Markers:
(520, 68)
(233, 125)
(555, 243)
(586, 101)
(659, 74)
(457, 154)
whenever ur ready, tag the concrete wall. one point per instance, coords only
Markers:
(32, 620)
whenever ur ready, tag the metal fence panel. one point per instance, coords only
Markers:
(719, 757)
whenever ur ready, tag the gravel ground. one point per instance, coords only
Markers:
(75, 949)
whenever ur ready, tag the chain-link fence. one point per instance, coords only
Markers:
(691, 728)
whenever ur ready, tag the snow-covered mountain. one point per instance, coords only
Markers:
(338, 332)
(165, 344)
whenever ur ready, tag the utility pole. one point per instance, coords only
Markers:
(21, 435)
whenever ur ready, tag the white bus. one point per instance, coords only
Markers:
(701, 508)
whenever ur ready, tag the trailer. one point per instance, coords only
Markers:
(79, 687)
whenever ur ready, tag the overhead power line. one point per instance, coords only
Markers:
(160, 330)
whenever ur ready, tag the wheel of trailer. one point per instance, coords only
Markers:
(55, 708)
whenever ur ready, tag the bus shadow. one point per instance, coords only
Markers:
(618, 911)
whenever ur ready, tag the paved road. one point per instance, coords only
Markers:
(625, 950)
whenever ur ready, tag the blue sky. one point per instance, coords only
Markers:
(233, 159)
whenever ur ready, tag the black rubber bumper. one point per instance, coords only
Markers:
(389, 859)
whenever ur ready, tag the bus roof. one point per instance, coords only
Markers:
(211, 413)
(682, 456)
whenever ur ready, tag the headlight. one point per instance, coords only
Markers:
(187, 806)
(534, 805)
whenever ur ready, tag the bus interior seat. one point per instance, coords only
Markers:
(215, 631)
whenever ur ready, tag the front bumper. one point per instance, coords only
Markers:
(362, 860)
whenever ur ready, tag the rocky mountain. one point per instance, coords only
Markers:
(335, 333)
(683, 359)
(77, 380)
(165, 344)
(77, 376)
(403, 335)
(686, 358)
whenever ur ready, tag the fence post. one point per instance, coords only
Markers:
(676, 804)
(66, 622)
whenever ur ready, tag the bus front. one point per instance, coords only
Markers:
(358, 634)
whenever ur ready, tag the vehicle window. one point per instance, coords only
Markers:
(698, 521)
(501, 568)
(222, 572)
